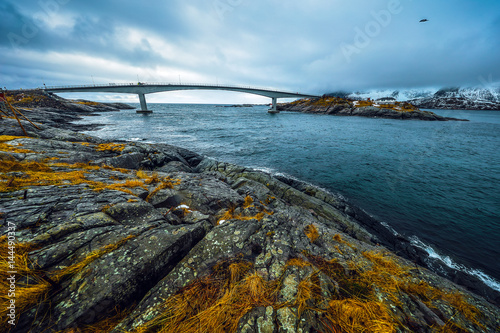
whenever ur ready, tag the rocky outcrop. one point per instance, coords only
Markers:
(58, 112)
(119, 236)
(343, 107)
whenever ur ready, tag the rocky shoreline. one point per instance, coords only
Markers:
(344, 107)
(121, 236)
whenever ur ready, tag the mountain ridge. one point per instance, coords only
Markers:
(466, 98)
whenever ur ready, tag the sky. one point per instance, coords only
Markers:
(314, 46)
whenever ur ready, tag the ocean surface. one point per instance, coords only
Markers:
(437, 183)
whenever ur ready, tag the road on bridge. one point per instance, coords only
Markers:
(142, 89)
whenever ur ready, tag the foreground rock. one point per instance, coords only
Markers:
(141, 238)
(343, 107)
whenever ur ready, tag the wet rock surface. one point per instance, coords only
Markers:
(138, 237)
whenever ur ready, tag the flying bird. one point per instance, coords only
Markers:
(424, 20)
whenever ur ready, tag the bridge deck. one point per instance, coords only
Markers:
(142, 89)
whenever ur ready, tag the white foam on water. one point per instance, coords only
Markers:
(269, 171)
(391, 229)
(488, 280)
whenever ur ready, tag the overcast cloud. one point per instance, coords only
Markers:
(314, 46)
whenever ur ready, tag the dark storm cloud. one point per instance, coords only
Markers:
(318, 45)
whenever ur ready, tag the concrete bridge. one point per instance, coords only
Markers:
(142, 89)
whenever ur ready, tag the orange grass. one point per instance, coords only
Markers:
(351, 315)
(34, 174)
(83, 166)
(121, 170)
(214, 303)
(110, 147)
(248, 202)
(4, 138)
(217, 302)
(11, 148)
(392, 278)
(41, 174)
(230, 215)
(166, 182)
(87, 103)
(33, 286)
(153, 178)
(311, 232)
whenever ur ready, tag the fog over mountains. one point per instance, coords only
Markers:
(467, 98)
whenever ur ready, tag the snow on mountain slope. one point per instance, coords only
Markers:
(472, 98)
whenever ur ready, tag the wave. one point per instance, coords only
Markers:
(446, 260)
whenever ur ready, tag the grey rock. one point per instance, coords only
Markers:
(132, 213)
(125, 161)
(166, 198)
(174, 166)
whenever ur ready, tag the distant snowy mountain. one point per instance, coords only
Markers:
(476, 98)
(399, 95)
(478, 94)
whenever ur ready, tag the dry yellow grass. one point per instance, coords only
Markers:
(166, 182)
(87, 103)
(34, 174)
(83, 166)
(42, 174)
(37, 290)
(311, 232)
(11, 148)
(248, 202)
(352, 315)
(214, 303)
(152, 178)
(217, 302)
(110, 147)
(230, 215)
(4, 138)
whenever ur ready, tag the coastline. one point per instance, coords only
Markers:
(307, 202)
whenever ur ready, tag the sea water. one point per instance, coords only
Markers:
(437, 183)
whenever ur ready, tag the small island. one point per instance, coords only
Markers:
(364, 108)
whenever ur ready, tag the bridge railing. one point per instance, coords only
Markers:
(160, 84)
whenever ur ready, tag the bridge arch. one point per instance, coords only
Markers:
(142, 89)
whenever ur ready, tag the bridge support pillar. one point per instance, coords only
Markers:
(144, 106)
(273, 108)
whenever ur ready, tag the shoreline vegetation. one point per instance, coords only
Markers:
(363, 108)
(101, 236)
